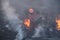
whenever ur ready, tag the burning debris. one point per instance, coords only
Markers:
(27, 23)
(58, 22)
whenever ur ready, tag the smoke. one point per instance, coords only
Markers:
(39, 31)
(45, 7)
(12, 17)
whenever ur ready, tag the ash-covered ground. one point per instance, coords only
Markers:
(13, 12)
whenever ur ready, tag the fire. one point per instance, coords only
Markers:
(58, 24)
(27, 22)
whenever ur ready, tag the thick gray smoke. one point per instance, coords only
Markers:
(39, 31)
(44, 6)
(47, 8)
(13, 19)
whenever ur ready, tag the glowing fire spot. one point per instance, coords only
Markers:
(27, 22)
(58, 24)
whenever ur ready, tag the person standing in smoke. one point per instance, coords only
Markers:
(35, 19)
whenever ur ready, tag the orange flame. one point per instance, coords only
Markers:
(58, 24)
(27, 22)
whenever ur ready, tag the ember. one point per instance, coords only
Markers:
(27, 22)
(58, 24)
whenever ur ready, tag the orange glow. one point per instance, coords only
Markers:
(27, 22)
(58, 24)
(31, 10)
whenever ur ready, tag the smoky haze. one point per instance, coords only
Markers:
(15, 10)
(45, 7)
